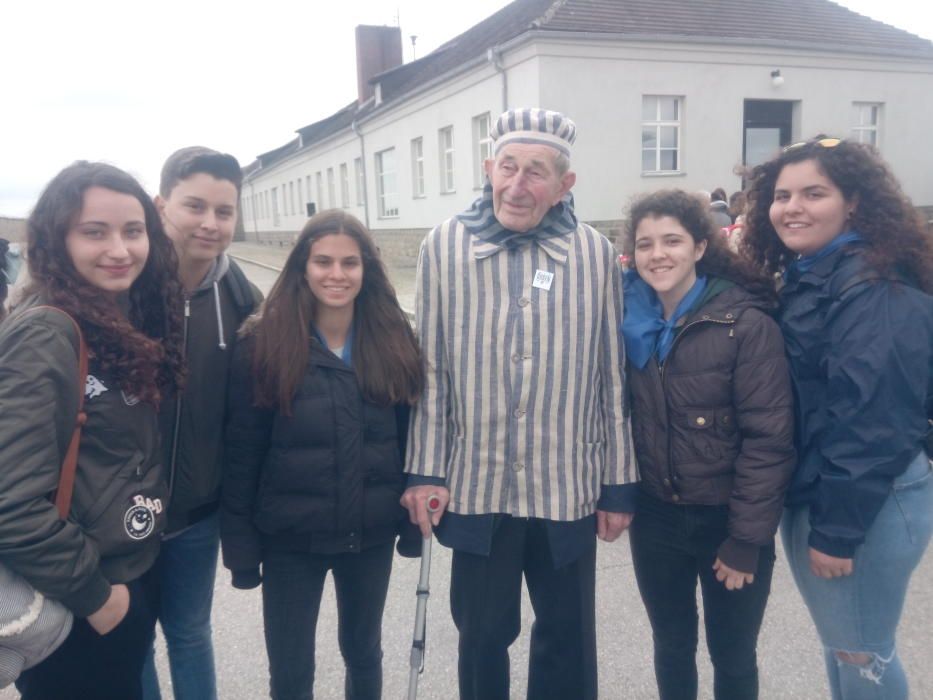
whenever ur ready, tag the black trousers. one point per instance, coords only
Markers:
(88, 666)
(292, 585)
(673, 546)
(485, 600)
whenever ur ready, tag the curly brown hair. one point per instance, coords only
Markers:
(142, 349)
(693, 215)
(897, 242)
(386, 356)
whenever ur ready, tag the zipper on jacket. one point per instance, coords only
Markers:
(670, 353)
(174, 453)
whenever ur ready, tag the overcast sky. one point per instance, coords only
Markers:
(129, 82)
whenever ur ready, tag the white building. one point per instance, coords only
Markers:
(665, 93)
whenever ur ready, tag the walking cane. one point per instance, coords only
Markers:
(417, 645)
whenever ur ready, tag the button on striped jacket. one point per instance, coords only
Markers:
(524, 408)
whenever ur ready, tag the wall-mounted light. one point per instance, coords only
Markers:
(777, 80)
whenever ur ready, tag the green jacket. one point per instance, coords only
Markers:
(120, 497)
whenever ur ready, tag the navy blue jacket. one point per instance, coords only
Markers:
(860, 349)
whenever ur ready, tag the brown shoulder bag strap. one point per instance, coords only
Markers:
(66, 481)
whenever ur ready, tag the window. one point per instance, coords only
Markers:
(307, 192)
(417, 167)
(291, 198)
(386, 189)
(344, 186)
(360, 184)
(299, 187)
(866, 119)
(331, 189)
(482, 148)
(445, 149)
(660, 133)
(320, 190)
(275, 206)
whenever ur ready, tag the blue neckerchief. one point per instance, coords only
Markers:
(346, 355)
(805, 262)
(644, 329)
(480, 221)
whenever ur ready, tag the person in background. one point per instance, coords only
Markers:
(322, 380)
(523, 431)
(97, 251)
(857, 316)
(719, 208)
(712, 412)
(198, 202)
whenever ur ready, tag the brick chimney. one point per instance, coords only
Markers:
(377, 50)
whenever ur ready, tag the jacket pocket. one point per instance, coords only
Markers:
(700, 424)
(130, 510)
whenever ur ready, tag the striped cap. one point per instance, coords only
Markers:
(534, 125)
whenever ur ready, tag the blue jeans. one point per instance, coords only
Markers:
(673, 547)
(858, 614)
(186, 568)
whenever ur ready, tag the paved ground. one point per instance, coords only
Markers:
(790, 657)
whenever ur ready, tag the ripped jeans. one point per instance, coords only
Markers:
(858, 614)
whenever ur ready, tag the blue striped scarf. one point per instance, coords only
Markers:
(480, 221)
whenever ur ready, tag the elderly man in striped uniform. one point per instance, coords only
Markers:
(522, 431)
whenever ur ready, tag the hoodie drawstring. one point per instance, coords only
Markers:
(220, 321)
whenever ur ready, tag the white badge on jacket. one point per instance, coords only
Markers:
(543, 280)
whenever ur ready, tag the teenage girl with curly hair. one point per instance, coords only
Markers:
(97, 251)
(856, 269)
(712, 417)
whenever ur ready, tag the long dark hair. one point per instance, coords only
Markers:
(143, 350)
(897, 242)
(386, 357)
(693, 215)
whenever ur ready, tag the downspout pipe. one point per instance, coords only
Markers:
(494, 56)
(359, 133)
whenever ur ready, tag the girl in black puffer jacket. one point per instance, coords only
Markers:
(712, 414)
(320, 388)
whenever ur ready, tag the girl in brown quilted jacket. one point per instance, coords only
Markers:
(712, 413)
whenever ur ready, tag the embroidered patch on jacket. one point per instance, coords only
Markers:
(93, 387)
(139, 520)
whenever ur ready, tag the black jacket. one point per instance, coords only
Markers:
(325, 480)
(860, 350)
(118, 507)
(714, 427)
(192, 425)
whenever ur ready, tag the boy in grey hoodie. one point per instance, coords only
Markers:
(198, 201)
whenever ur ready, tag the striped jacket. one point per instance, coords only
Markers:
(524, 409)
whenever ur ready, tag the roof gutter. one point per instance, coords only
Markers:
(494, 57)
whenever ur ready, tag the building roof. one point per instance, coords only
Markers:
(816, 24)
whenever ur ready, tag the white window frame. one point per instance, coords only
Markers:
(291, 198)
(657, 124)
(386, 184)
(482, 148)
(360, 185)
(331, 189)
(417, 168)
(319, 181)
(275, 206)
(445, 152)
(344, 186)
(864, 130)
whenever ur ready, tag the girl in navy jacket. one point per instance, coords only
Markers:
(857, 318)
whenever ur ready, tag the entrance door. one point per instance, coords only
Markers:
(768, 126)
